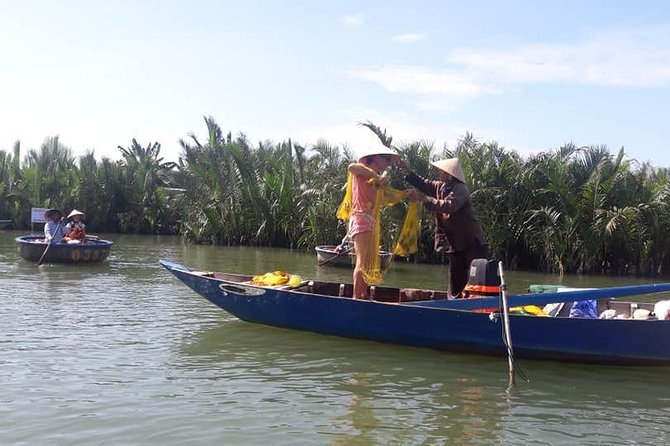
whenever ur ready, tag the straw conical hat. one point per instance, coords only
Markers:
(377, 150)
(451, 166)
(76, 212)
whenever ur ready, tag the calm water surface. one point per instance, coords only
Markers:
(123, 353)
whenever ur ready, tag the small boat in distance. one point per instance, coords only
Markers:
(32, 247)
(327, 255)
(5, 224)
(426, 318)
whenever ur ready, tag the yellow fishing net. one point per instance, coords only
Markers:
(407, 239)
(276, 278)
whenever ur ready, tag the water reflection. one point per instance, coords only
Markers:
(366, 391)
(122, 353)
(369, 393)
(358, 419)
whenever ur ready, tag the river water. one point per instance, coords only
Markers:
(121, 353)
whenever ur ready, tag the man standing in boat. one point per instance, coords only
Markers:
(53, 228)
(457, 230)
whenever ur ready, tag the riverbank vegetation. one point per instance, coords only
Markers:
(568, 210)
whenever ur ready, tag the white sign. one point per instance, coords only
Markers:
(37, 215)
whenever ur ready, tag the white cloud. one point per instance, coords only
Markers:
(352, 20)
(632, 57)
(405, 127)
(432, 86)
(402, 126)
(628, 58)
(408, 38)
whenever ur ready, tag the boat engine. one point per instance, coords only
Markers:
(483, 280)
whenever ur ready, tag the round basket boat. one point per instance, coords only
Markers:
(32, 247)
(327, 255)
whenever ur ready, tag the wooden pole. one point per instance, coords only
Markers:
(508, 335)
(60, 223)
(330, 259)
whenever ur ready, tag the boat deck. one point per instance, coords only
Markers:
(622, 310)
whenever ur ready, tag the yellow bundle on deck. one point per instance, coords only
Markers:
(528, 309)
(276, 278)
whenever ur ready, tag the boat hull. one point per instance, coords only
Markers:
(326, 255)
(32, 247)
(5, 224)
(584, 340)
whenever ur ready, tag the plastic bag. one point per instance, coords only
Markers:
(585, 309)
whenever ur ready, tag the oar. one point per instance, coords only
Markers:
(50, 242)
(546, 298)
(339, 254)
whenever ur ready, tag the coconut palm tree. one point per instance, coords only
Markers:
(101, 192)
(49, 174)
(321, 193)
(219, 181)
(145, 173)
(10, 175)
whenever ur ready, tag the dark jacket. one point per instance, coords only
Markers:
(457, 228)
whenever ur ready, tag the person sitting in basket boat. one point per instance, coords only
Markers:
(75, 229)
(53, 228)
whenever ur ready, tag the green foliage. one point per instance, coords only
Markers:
(144, 172)
(570, 210)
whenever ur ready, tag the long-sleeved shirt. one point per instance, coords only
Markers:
(454, 215)
(53, 231)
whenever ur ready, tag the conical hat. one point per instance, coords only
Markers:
(76, 212)
(377, 150)
(451, 166)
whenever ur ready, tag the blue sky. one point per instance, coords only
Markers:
(531, 75)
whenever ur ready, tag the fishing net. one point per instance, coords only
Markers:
(275, 278)
(407, 239)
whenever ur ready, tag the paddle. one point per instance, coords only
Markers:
(50, 242)
(339, 254)
(546, 298)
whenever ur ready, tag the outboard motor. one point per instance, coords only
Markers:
(483, 280)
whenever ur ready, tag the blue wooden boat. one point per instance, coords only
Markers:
(425, 318)
(32, 247)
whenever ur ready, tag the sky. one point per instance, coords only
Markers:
(530, 75)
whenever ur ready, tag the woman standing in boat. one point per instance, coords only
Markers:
(361, 208)
(457, 230)
(75, 228)
(53, 228)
